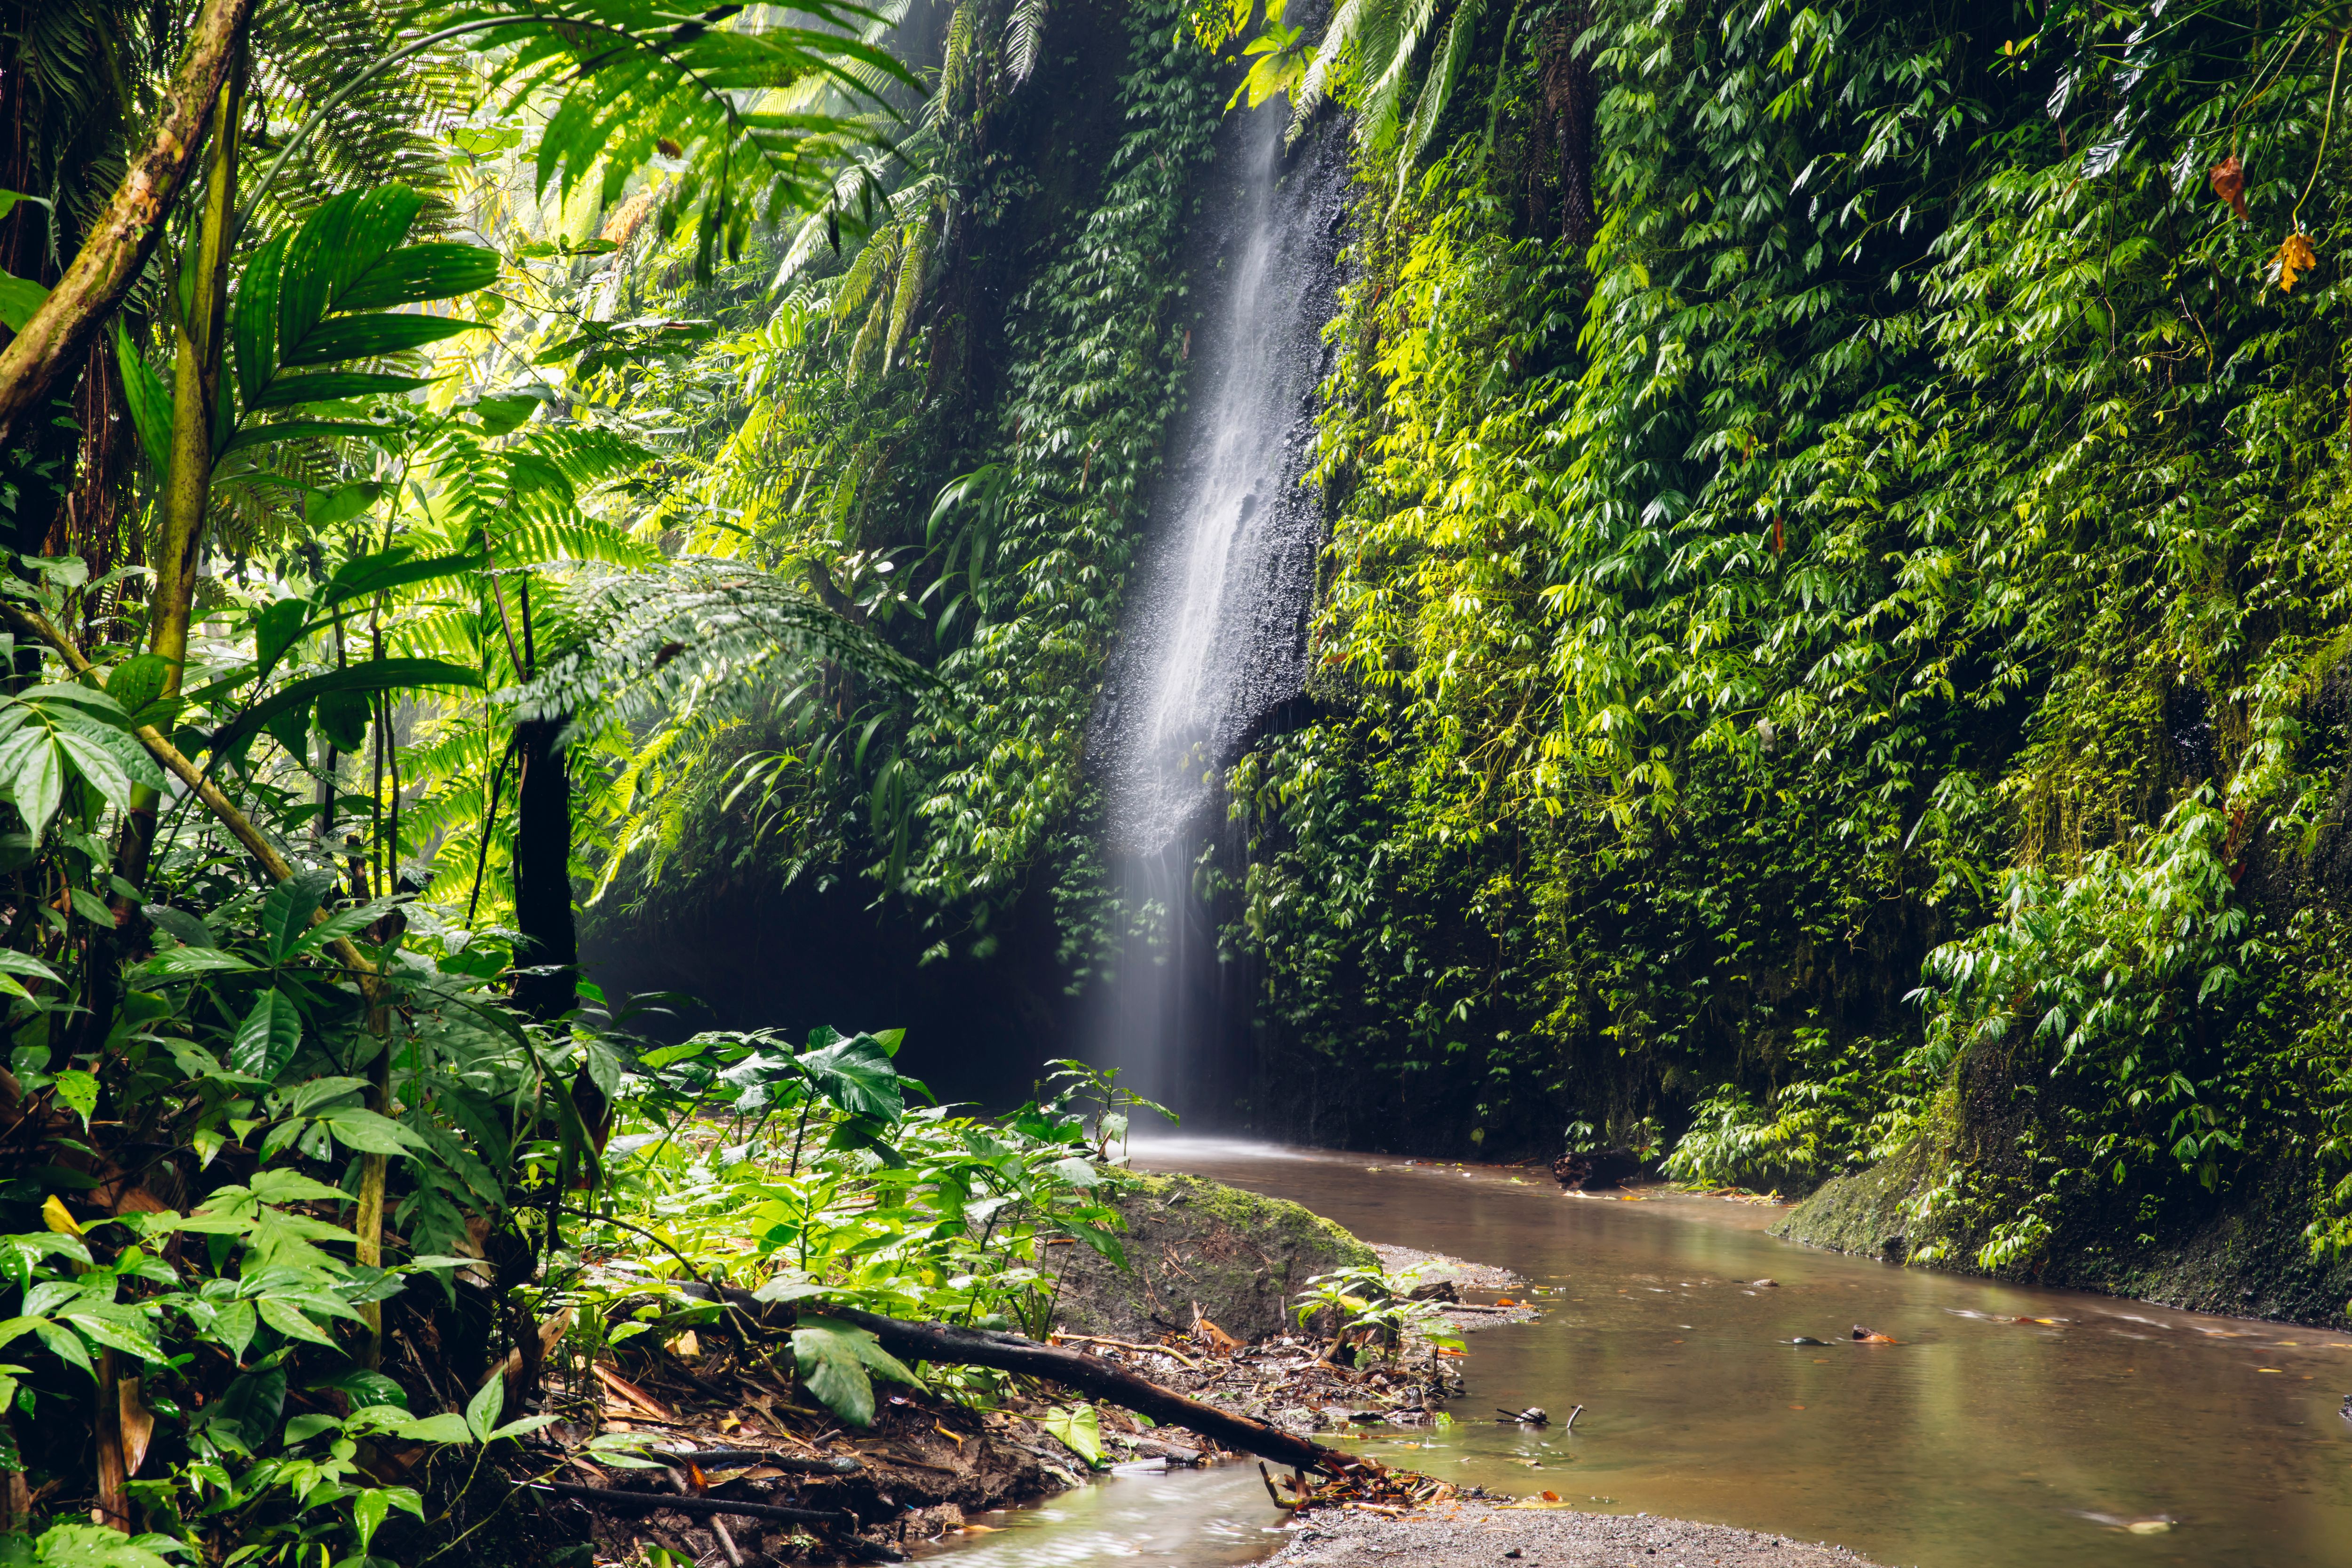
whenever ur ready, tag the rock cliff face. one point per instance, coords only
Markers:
(1240, 1256)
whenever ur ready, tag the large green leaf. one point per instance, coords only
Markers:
(180, 962)
(309, 430)
(333, 249)
(439, 270)
(834, 1359)
(286, 912)
(333, 387)
(255, 321)
(375, 674)
(149, 401)
(34, 776)
(19, 299)
(829, 1365)
(398, 567)
(374, 337)
(265, 1039)
(371, 1133)
(858, 1076)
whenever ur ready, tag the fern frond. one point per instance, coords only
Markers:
(919, 240)
(1437, 88)
(693, 634)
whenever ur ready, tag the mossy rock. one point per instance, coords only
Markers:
(1862, 1212)
(1240, 1255)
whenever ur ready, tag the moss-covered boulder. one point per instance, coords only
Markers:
(1862, 1212)
(1238, 1256)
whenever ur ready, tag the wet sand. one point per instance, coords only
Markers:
(1471, 1534)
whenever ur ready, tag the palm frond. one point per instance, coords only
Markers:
(1437, 88)
(1025, 38)
(385, 133)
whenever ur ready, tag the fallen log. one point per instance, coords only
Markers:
(1012, 1353)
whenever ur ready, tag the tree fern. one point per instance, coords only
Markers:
(695, 633)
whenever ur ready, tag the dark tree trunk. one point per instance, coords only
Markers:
(1566, 122)
(542, 875)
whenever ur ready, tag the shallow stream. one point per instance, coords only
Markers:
(2008, 1427)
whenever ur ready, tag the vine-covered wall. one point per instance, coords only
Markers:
(1841, 657)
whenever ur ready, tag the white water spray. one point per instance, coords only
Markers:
(1215, 635)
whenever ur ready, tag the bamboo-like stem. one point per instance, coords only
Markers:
(187, 489)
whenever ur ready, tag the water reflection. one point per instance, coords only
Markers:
(1188, 1519)
(2006, 1427)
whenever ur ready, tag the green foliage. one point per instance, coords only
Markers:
(1368, 1305)
(725, 96)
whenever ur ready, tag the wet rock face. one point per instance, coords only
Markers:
(1241, 1256)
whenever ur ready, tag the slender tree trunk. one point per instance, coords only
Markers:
(543, 874)
(196, 392)
(187, 490)
(119, 242)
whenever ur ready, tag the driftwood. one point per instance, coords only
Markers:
(791, 1464)
(652, 1502)
(1089, 1375)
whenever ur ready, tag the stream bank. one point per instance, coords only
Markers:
(2244, 1253)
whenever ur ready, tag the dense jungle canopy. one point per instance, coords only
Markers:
(1827, 654)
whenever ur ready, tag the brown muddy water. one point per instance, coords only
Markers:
(2093, 1432)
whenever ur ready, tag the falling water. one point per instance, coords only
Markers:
(1216, 641)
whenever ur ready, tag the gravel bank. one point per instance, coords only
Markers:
(1475, 1535)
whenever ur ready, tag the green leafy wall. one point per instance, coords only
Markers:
(1851, 654)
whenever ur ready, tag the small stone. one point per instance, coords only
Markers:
(1514, 1552)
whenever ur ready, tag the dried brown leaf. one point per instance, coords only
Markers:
(2229, 178)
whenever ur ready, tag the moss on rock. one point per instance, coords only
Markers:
(1240, 1255)
(1863, 1212)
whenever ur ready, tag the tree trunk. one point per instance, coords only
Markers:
(543, 874)
(1569, 99)
(187, 490)
(119, 242)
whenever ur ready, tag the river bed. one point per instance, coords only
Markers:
(2007, 1426)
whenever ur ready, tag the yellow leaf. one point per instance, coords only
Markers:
(53, 1212)
(2295, 256)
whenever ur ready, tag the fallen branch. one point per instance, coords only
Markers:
(653, 1502)
(1179, 1357)
(1012, 1353)
(791, 1464)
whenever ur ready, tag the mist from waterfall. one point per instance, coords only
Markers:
(1214, 642)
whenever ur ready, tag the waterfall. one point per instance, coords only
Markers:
(1214, 644)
